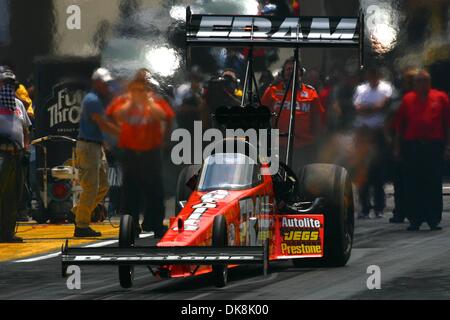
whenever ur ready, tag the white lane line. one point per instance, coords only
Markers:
(101, 244)
(146, 235)
(39, 258)
(93, 245)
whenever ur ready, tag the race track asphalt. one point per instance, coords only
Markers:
(414, 265)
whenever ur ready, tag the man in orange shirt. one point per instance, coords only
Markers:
(144, 120)
(309, 116)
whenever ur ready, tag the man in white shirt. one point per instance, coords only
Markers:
(371, 100)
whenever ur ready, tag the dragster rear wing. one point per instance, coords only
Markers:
(160, 256)
(272, 31)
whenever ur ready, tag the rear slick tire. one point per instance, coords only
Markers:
(334, 185)
(183, 192)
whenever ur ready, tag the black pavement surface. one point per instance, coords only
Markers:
(414, 265)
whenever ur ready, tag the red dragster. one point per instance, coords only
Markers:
(230, 210)
(237, 215)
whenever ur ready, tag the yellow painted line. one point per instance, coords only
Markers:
(41, 239)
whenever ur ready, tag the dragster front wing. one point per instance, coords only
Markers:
(161, 256)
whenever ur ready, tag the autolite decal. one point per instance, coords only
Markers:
(208, 201)
(287, 222)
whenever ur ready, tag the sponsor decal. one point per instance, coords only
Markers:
(299, 106)
(300, 235)
(208, 201)
(294, 29)
(98, 258)
(255, 224)
(287, 222)
(247, 211)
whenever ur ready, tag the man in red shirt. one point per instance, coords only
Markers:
(422, 126)
(309, 116)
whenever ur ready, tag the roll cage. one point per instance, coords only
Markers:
(271, 31)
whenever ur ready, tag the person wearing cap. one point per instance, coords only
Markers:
(21, 91)
(14, 139)
(90, 157)
(220, 91)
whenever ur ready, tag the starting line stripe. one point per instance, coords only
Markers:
(44, 257)
(93, 245)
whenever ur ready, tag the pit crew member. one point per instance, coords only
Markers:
(309, 115)
(422, 124)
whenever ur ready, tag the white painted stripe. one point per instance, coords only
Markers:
(146, 235)
(93, 245)
(39, 258)
(101, 244)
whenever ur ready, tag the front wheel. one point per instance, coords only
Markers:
(220, 240)
(126, 240)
